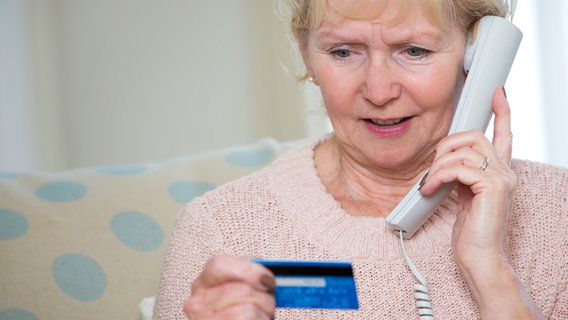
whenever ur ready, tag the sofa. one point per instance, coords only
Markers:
(88, 243)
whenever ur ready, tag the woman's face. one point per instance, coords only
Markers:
(389, 90)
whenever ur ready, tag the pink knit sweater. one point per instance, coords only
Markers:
(284, 212)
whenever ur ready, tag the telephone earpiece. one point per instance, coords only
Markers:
(468, 56)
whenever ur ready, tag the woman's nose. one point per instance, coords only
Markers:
(381, 83)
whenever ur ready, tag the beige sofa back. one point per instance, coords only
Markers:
(89, 243)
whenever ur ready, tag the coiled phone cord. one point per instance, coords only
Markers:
(421, 294)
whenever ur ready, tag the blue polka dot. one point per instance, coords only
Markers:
(185, 191)
(253, 157)
(61, 191)
(7, 176)
(123, 170)
(16, 314)
(137, 230)
(79, 276)
(12, 224)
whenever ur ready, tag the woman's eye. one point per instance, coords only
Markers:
(417, 52)
(341, 53)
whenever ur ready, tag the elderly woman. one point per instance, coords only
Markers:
(390, 73)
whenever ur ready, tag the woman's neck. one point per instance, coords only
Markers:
(360, 190)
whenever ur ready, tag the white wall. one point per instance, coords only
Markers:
(17, 134)
(143, 80)
(553, 50)
(539, 83)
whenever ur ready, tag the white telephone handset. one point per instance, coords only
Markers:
(488, 61)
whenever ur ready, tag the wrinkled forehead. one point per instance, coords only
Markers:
(382, 11)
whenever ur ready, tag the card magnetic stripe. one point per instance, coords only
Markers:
(297, 270)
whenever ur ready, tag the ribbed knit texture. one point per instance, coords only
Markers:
(284, 212)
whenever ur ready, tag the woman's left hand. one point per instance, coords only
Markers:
(485, 191)
(486, 186)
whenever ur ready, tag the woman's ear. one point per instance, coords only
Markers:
(310, 74)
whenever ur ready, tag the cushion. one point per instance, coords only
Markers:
(89, 243)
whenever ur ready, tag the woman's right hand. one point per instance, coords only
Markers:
(232, 288)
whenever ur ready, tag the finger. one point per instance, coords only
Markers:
(502, 134)
(222, 269)
(464, 157)
(244, 312)
(237, 312)
(215, 300)
(496, 184)
(474, 139)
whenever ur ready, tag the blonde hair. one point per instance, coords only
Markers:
(309, 14)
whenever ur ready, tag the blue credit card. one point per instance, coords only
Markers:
(313, 284)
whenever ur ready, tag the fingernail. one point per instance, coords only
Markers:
(268, 281)
(504, 93)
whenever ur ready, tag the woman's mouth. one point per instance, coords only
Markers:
(384, 123)
(390, 127)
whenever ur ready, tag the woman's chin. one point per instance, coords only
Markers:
(401, 161)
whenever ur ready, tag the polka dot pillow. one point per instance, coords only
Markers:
(89, 243)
